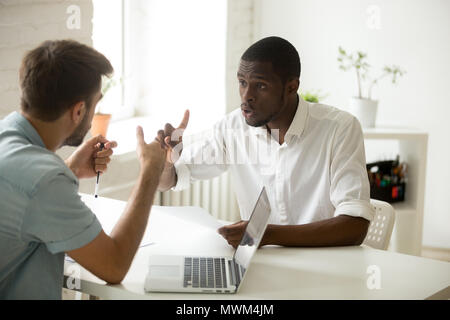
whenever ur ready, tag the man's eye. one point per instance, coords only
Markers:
(261, 86)
(242, 83)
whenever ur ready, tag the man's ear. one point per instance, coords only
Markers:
(77, 112)
(292, 85)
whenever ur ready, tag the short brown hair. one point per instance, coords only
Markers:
(57, 74)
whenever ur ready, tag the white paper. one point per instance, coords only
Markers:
(192, 215)
(165, 223)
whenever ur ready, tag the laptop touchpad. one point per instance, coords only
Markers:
(164, 271)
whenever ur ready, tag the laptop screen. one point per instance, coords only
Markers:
(254, 232)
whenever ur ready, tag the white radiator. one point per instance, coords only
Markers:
(215, 195)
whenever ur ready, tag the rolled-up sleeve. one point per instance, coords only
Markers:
(183, 176)
(57, 217)
(350, 189)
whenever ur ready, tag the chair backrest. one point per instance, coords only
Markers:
(380, 228)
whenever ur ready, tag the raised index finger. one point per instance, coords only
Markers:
(140, 135)
(185, 120)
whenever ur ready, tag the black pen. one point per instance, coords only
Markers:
(102, 145)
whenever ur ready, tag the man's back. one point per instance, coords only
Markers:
(32, 180)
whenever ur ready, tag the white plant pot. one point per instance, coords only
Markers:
(364, 110)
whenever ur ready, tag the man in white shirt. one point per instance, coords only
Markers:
(310, 157)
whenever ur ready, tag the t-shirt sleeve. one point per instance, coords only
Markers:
(350, 189)
(57, 217)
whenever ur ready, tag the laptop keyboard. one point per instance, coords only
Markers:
(205, 272)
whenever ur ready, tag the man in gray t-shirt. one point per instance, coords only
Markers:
(41, 214)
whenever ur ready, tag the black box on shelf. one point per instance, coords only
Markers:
(391, 194)
(387, 180)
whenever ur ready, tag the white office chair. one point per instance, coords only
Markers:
(380, 228)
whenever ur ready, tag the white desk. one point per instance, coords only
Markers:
(276, 272)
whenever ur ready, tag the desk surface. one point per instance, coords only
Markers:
(276, 272)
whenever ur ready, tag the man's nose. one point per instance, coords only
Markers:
(248, 95)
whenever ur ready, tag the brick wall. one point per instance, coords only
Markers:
(24, 24)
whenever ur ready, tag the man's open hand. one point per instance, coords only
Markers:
(151, 155)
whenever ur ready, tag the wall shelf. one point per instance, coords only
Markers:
(412, 148)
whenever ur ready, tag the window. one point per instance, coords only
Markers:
(108, 38)
(170, 55)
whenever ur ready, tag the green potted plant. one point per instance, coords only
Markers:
(100, 122)
(363, 106)
(312, 96)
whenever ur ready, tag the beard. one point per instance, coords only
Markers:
(77, 137)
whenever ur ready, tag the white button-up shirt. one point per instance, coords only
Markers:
(317, 173)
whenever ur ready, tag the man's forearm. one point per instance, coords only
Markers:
(168, 178)
(129, 230)
(338, 231)
(68, 163)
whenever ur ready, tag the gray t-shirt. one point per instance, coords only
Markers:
(41, 214)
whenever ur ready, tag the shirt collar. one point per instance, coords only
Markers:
(297, 125)
(24, 126)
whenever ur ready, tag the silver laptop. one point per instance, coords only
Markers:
(171, 273)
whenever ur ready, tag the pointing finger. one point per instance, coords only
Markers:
(185, 120)
(140, 135)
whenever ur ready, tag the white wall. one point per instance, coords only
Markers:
(414, 34)
(24, 24)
